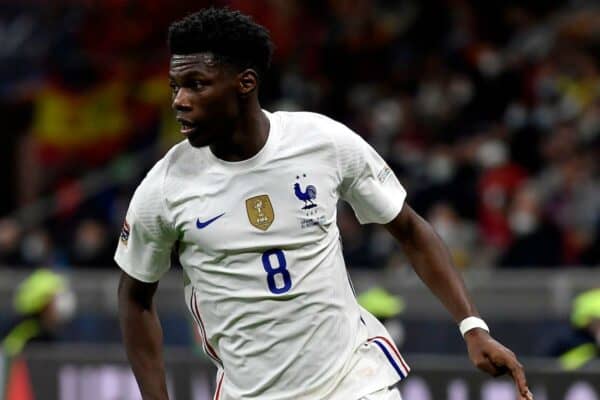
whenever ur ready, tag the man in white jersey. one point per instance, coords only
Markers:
(251, 199)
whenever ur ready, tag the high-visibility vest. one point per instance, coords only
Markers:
(578, 356)
(18, 337)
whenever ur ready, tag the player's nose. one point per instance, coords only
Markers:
(181, 101)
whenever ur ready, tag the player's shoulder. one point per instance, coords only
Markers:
(160, 167)
(314, 126)
(308, 119)
(181, 161)
(158, 173)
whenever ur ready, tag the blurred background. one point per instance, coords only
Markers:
(488, 112)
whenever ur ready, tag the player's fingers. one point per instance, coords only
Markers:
(515, 369)
(518, 374)
(488, 366)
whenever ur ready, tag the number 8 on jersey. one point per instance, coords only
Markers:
(280, 269)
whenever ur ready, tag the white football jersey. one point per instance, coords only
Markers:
(265, 278)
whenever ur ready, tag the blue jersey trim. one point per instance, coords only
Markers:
(390, 358)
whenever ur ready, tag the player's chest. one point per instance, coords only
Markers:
(276, 206)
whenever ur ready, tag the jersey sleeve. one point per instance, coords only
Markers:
(368, 183)
(147, 236)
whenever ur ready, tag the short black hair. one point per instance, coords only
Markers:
(232, 37)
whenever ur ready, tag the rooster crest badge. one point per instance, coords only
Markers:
(308, 195)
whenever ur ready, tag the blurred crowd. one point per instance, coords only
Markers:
(489, 113)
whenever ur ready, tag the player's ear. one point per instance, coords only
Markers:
(248, 81)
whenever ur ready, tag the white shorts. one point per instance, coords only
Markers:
(385, 394)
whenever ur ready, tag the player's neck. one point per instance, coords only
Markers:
(248, 138)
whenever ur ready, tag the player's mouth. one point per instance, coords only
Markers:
(187, 126)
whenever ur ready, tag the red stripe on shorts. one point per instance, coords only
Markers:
(218, 390)
(207, 345)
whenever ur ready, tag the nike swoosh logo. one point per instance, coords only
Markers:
(202, 225)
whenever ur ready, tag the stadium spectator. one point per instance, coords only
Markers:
(498, 182)
(43, 303)
(92, 245)
(458, 234)
(535, 241)
(581, 344)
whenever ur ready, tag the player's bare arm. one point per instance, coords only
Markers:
(431, 261)
(142, 336)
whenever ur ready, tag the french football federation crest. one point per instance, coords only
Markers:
(260, 211)
(308, 195)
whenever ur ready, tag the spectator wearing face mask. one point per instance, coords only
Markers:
(535, 241)
(459, 235)
(499, 180)
(43, 303)
(91, 245)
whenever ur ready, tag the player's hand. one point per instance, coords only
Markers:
(492, 357)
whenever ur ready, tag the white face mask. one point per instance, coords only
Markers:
(522, 222)
(444, 229)
(65, 305)
(492, 153)
(387, 117)
(35, 248)
(440, 168)
(516, 116)
(490, 64)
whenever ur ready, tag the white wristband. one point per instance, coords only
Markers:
(471, 323)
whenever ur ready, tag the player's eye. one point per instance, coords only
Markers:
(197, 84)
(174, 87)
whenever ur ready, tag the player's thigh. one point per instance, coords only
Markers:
(385, 394)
